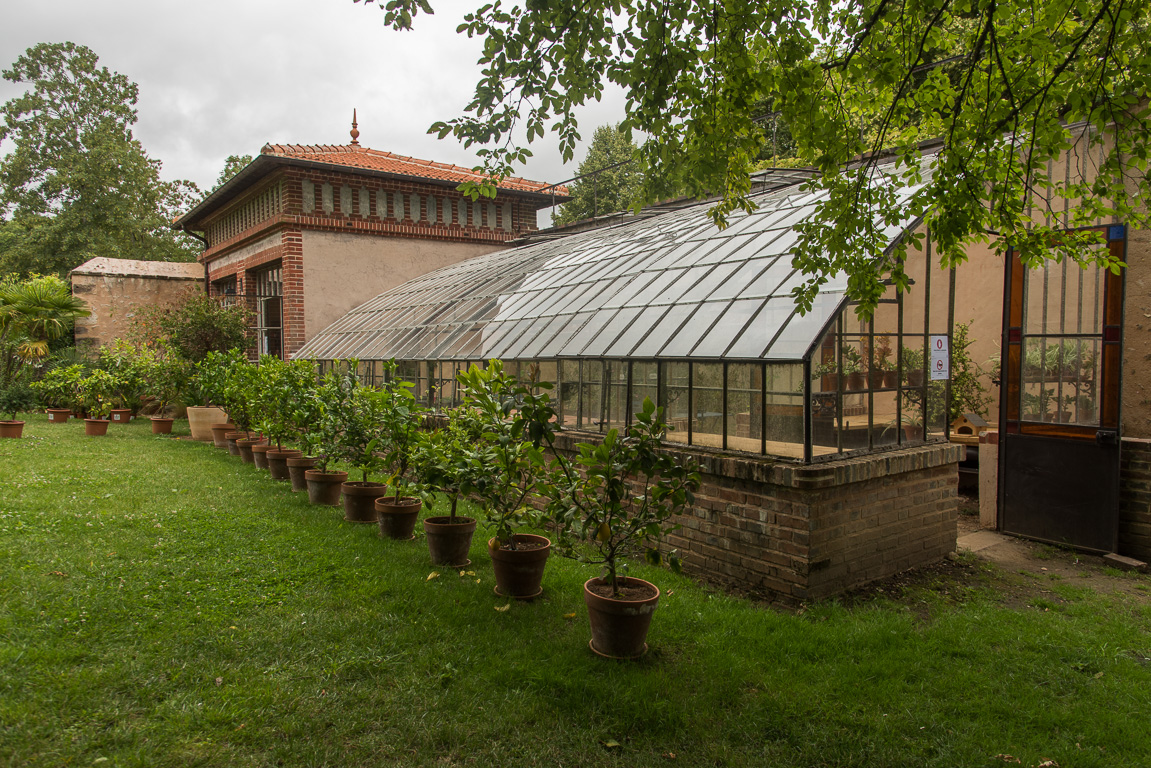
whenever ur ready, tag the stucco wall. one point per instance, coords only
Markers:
(114, 300)
(342, 271)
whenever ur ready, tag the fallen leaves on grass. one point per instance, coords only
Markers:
(433, 575)
(502, 608)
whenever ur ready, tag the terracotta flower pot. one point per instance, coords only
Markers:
(219, 434)
(95, 427)
(120, 415)
(296, 468)
(520, 572)
(855, 381)
(875, 379)
(11, 428)
(201, 418)
(278, 462)
(245, 445)
(890, 379)
(260, 455)
(360, 501)
(448, 542)
(161, 426)
(230, 439)
(619, 626)
(397, 518)
(324, 487)
(58, 415)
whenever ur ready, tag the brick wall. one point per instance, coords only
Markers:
(791, 533)
(1135, 498)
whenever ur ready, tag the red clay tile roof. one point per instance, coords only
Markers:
(355, 156)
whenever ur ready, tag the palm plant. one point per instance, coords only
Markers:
(33, 314)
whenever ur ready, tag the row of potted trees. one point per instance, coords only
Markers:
(602, 501)
(113, 389)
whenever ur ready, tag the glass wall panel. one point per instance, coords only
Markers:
(676, 399)
(644, 383)
(568, 391)
(744, 406)
(707, 404)
(591, 395)
(615, 414)
(783, 410)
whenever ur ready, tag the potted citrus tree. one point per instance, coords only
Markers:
(127, 365)
(58, 391)
(287, 386)
(165, 380)
(359, 444)
(96, 397)
(442, 464)
(321, 440)
(399, 425)
(507, 465)
(15, 396)
(625, 500)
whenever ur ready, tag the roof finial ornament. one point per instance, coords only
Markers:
(355, 130)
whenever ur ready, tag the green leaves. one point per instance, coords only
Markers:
(999, 89)
(77, 184)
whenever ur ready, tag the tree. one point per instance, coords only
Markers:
(611, 182)
(77, 184)
(233, 165)
(193, 327)
(1001, 87)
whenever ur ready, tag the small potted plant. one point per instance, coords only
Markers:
(237, 390)
(358, 444)
(400, 417)
(852, 368)
(96, 396)
(287, 385)
(58, 392)
(884, 364)
(507, 466)
(913, 371)
(321, 440)
(127, 365)
(165, 379)
(15, 396)
(629, 492)
(442, 464)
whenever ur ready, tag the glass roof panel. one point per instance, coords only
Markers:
(580, 340)
(598, 346)
(657, 337)
(798, 335)
(683, 342)
(662, 283)
(647, 319)
(552, 346)
(729, 326)
(702, 289)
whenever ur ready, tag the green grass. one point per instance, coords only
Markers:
(162, 604)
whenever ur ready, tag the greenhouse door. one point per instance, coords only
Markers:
(1059, 401)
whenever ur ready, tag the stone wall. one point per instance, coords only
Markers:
(114, 300)
(1135, 498)
(791, 533)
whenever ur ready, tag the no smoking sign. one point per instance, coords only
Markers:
(940, 359)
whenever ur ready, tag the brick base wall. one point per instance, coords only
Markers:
(1135, 498)
(791, 533)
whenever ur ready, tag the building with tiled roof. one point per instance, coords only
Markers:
(305, 233)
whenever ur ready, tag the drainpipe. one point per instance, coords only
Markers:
(204, 240)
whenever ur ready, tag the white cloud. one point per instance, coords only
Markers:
(219, 78)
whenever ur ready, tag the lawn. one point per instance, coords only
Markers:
(162, 604)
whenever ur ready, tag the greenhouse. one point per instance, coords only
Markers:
(666, 305)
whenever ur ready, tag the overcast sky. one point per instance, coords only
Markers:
(223, 77)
